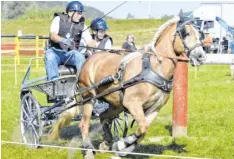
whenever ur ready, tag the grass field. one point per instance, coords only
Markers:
(210, 120)
(118, 29)
(210, 112)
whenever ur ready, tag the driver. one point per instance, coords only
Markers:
(66, 31)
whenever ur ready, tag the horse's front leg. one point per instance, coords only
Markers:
(136, 110)
(84, 126)
(105, 118)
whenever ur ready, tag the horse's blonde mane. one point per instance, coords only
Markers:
(163, 27)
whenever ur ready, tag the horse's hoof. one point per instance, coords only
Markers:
(119, 145)
(104, 146)
(89, 155)
(128, 149)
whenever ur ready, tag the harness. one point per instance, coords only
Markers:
(147, 75)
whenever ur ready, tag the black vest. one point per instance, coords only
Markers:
(103, 41)
(65, 27)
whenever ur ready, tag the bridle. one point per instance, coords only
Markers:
(181, 32)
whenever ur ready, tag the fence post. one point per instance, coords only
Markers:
(37, 51)
(17, 47)
(15, 65)
(180, 101)
(43, 43)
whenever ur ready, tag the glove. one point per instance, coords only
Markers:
(66, 44)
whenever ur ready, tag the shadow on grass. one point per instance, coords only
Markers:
(69, 132)
(157, 149)
(72, 132)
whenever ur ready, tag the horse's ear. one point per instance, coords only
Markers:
(181, 15)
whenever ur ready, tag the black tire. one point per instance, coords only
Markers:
(30, 121)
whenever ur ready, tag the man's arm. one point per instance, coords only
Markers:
(54, 29)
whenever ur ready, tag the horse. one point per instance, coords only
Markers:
(141, 85)
(142, 99)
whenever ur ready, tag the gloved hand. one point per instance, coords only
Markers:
(66, 44)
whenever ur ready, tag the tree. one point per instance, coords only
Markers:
(130, 16)
(14, 9)
(167, 16)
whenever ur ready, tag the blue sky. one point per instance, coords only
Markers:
(140, 9)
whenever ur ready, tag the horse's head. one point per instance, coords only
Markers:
(189, 41)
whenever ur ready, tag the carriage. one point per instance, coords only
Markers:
(35, 117)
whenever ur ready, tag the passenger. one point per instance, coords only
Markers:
(102, 40)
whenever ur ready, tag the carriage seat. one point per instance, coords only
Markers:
(67, 70)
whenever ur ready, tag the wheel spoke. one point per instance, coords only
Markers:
(27, 105)
(117, 121)
(24, 121)
(26, 129)
(116, 129)
(35, 132)
(25, 113)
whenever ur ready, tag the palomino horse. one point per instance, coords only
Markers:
(144, 81)
(144, 99)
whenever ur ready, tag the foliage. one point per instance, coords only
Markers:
(166, 17)
(14, 9)
(40, 10)
(130, 16)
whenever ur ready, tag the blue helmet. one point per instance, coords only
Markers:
(75, 6)
(98, 24)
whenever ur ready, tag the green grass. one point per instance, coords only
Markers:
(210, 119)
(118, 29)
(210, 111)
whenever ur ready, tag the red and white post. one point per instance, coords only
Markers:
(180, 101)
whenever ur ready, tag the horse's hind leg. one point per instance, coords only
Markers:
(64, 119)
(84, 125)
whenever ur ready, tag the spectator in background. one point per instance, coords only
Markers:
(207, 42)
(231, 45)
(225, 45)
(129, 45)
(215, 46)
(231, 50)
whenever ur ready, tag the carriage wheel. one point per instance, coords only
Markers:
(30, 121)
(119, 126)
